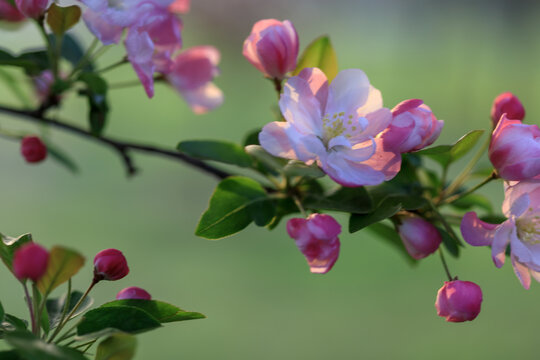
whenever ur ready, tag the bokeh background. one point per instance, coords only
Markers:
(260, 299)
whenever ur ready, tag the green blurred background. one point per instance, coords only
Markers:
(255, 288)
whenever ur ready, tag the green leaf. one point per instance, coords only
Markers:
(61, 157)
(117, 347)
(8, 245)
(351, 200)
(61, 19)
(449, 242)
(271, 162)
(389, 207)
(127, 319)
(389, 234)
(31, 347)
(252, 138)
(96, 93)
(473, 200)
(55, 306)
(33, 62)
(12, 323)
(10, 355)
(229, 210)
(493, 219)
(72, 51)
(15, 88)
(299, 168)
(216, 150)
(1, 313)
(262, 212)
(320, 54)
(63, 264)
(447, 154)
(161, 311)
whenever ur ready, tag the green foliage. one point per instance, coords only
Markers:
(217, 150)
(350, 200)
(72, 51)
(473, 200)
(387, 208)
(55, 306)
(161, 311)
(61, 19)
(117, 347)
(33, 62)
(299, 168)
(320, 53)
(104, 320)
(267, 162)
(61, 157)
(9, 245)
(449, 242)
(447, 154)
(29, 346)
(63, 264)
(96, 93)
(236, 202)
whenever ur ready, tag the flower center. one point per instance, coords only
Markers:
(116, 4)
(341, 124)
(528, 228)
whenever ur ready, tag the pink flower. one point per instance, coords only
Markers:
(317, 238)
(419, 236)
(133, 292)
(42, 84)
(180, 6)
(33, 149)
(507, 103)
(154, 33)
(9, 12)
(521, 231)
(30, 262)
(192, 73)
(335, 126)
(515, 149)
(110, 264)
(32, 8)
(272, 47)
(459, 301)
(413, 127)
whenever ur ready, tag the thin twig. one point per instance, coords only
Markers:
(123, 148)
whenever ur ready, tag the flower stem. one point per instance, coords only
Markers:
(456, 197)
(300, 206)
(30, 307)
(41, 27)
(37, 313)
(113, 66)
(445, 265)
(85, 58)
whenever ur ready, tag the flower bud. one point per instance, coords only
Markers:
(413, 127)
(515, 149)
(506, 103)
(419, 236)
(317, 238)
(459, 301)
(43, 84)
(30, 262)
(32, 8)
(272, 47)
(110, 264)
(9, 12)
(33, 149)
(133, 292)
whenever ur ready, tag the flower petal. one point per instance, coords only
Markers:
(522, 273)
(475, 231)
(274, 139)
(106, 32)
(204, 98)
(501, 239)
(300, 107)
(318, 84)
(348, 92)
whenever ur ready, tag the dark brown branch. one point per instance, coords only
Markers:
(123, 148)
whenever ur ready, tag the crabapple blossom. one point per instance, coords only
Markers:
(459, 301)
(317, 238)
(191, 75)
(180, 6)
(10, 12)
(110, 264)
(33, 149)
(336, 126)
(413, 127)
(515, 149)
(30, 262)
(507, 103)
(419, 236)
(521, 230)
(133, 292)
(272, 47)
(32, 8)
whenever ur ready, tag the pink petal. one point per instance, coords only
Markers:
(373, 103)
(475, 231)
(501, 239)
(348, 92)
(106, 32)
(300, 107)
(140, 50)
(522, 273)
(318, 84)
(180, 6)
(204, 98)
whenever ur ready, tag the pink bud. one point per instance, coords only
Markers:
(180, 6)
(30, 262)
(317, 238)
(459, 301)
(32, 8)
(507, 103)
(133, 292)
(272, 47)
(33, 149)
(419, 236)
(43, 84)
(515, 149)
(9, 12)
(110, 264)
(413, 127)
